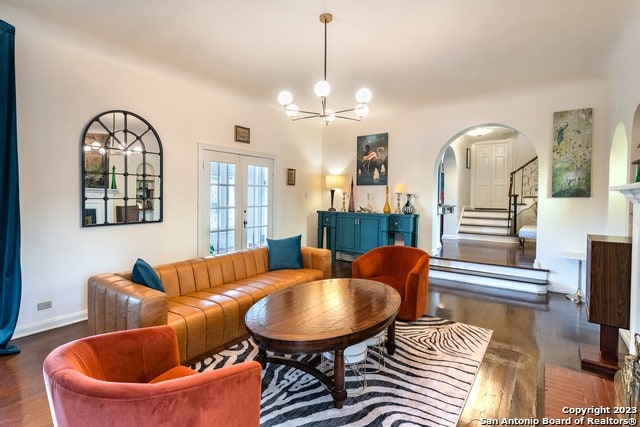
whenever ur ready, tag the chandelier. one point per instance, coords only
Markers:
(322, 89)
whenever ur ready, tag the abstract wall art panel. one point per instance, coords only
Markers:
(571, 163)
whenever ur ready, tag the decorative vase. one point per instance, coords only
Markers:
(113, 178)
(369, 207)
(352, 204)
(408, 207)
(387, 206)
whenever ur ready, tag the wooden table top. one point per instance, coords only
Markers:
(323, 315)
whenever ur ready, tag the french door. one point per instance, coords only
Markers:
(235, 201)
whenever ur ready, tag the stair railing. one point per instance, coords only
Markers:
(513, 197)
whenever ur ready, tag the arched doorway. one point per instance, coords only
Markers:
(457, 166)
(618, 219)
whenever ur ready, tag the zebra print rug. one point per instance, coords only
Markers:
(425, 383)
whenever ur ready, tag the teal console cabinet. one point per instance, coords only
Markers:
(356, 233)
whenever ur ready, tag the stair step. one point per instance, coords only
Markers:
(530, 280)
(509, 296)
(484, 229)
(509, 238)
(490, 275)
(475, 213)
(494, 222)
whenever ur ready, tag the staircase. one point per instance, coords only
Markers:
(485, 224)
(495, 226)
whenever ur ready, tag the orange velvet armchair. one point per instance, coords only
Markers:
(134, 378)
(405, 268)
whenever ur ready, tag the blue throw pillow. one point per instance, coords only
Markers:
(285, 253)
(144, 274)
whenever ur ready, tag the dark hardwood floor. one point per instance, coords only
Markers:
(507, 254)
(510, 382)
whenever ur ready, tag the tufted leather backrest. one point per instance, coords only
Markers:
(185, 277)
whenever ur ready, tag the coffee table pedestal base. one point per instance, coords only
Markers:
(335, 383)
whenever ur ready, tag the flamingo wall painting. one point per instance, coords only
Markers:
(372, 159)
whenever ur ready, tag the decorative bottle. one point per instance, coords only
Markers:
(387, 206)
(352, 204)
(408, 207)
(113, 178)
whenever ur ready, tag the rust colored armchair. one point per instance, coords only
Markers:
(134, 378)
(405, 268)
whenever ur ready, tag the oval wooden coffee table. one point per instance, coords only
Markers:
(325, 315)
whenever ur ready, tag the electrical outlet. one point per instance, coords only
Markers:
(45, 305)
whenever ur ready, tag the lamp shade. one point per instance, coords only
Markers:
(400, 188)
(363, 95)
(362, 110)
(285, 98)
(322, 89)
(334, 181)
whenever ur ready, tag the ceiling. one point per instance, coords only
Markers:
(408, 52)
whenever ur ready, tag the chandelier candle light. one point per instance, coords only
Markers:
(322, 89)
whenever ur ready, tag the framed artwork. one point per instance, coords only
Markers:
(291, 177)
(243, 134)
(571, 161)
(372, 159)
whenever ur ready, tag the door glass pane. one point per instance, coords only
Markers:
(257, 205)
(222, 207)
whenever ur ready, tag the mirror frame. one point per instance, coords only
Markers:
(131, 192)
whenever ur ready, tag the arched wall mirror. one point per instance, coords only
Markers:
(121, 170)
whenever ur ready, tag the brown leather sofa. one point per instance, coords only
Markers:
(134, 378)
(205, 299)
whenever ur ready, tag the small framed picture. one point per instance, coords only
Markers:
(243, 134)
(291, 177)
(468, 160)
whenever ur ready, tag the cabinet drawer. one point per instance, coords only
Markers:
(327, 219)
(401, 223)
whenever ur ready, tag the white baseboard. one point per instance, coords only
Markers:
(45, 325)
(450, 237)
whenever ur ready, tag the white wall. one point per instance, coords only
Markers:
(417, 139)
(62, 82)
(624, 71)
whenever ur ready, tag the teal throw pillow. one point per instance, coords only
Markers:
(144, 274)
(285, 253)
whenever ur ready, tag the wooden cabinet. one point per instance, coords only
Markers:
(607, 297)
(356, 233)
(608, 290)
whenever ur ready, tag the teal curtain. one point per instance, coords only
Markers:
(9, 196)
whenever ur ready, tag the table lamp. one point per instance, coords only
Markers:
(333, 182)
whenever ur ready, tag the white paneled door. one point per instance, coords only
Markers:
(235, 201)
(490, 173)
